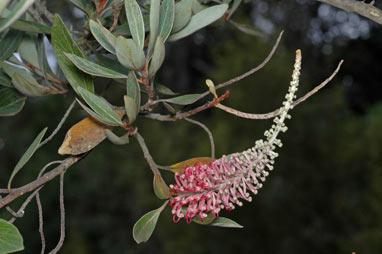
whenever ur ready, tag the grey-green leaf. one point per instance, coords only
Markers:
(183, 13)
(197, 7)
(145, 226)
(235, 5)
(157, 58)
(28, 50)
(200, 20)
(10, 238)
(29, 26)
(27, 85)
(27, 155)
(226, 223)
(154, 23)
(133, 90)
(129, 54)
(184, 99)
(103, 36)
(124, 140)
(62, 42)
(246, 29)
(11, 102)
(94, 114)
(92, 68)
(4, 79)
(100, 106)
(3, 5)
(111, 63)
(16, 12)
(166, 18)
(135, 20)
(164, 90)
(9, 43)
(131, 108)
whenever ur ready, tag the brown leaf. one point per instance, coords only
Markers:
(179, 167)
(84, 136)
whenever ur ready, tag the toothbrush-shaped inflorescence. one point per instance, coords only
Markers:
(222, 184)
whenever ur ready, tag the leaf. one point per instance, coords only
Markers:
(135, 20)
(129, 54)
(183, 13)
(165, 90)
(197, 6)
(11, 69)
(27, 155)
(161, 189)
(29, 26)
(115, 139)
(62, 42)
(131, 108)
(154, 23)
(226, 223)
(92, 68)
(27, 85)
(133, 90)
(235, 5)
(166, 18)
(10, 238)
(211, 87)
(207, 221)
(184, 99)
(103, 36)
(17, 11)
(125, 30)
(84, 5)
(200, 20)
(100, 107)
(179, 167)
(145, 226)
(11, 102)
(5, 80)
(247, 29)
(28, 50)
(112, 64)
(9, 43)
(3, 5)
(42, 57)
(157, 58)
(84, 136)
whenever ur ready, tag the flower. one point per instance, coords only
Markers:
(208, 188)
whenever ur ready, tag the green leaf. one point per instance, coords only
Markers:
(28, 50)
(145, 226)
(17, 11)
(131, 108)
(133, 90)
(11, 102)
(94, 115)
(9, 43)
(166, 18)
(62, 42)
(103, 36)
(154, 23)
(226, 223)
(161, 189)
(164, 90)
(4, 79)
(207, 221)
(3, 5)
(200, 20)
(27, 155)
(113, 64)
(124, 140)
(42, 58)
(129, 54)
(158, 57)
(27, 85)
(29, 26)
(92, 68)
(135, 20)
(10, 238)
(197, 7)
(100, 106)
(183, 13)
(247, 29)
(184, 99)
(235, 5)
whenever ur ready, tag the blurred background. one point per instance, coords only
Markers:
(325, 194)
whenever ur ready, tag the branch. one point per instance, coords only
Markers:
(360, 7)
(210, 136)
(20, 212)
(276, 112)
(17, 192)
(147, 154)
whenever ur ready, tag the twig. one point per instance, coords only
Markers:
(276, 112)
(210, 136)
(146, 153)
(44, 11)
(40, 223)
(360, 7)
(182, 115)
(20, 212)
(116, 13)
(17, 192)
(59, 124)
(62, 215)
